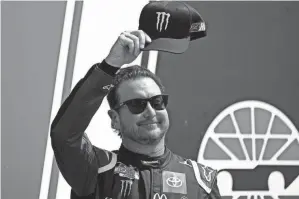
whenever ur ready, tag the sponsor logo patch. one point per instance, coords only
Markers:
(174, 182)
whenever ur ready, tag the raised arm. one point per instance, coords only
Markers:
(77, 159)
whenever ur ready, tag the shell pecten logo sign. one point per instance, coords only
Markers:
(255, 147)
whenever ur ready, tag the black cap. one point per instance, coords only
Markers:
(171, 25)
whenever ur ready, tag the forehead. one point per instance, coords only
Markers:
(144, 87)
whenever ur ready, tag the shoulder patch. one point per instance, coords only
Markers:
(204, 175)
(108, 87)
(186, 162)
(110, 165)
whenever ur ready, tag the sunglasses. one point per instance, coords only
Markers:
(138, 105)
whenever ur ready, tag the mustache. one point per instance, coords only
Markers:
(144, 122)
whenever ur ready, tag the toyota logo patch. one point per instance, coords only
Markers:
(174, 182)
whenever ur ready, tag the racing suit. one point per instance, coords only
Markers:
(94, 173)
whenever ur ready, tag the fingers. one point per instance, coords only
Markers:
(143, 37)
(147, 38)
(127, 42)
(135, 40)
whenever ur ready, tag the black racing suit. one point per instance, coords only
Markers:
(94, 173)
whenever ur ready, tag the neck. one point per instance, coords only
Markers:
(152, 150)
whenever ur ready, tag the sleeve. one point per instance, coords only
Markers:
(215, 194)
(207, 179)
(78, 160)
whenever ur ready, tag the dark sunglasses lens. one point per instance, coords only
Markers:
(159, 102)
(136, 106)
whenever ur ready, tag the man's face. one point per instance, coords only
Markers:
(151, 125)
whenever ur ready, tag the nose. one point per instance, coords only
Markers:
(149, 111)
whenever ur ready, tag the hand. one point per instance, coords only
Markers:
(127, 48)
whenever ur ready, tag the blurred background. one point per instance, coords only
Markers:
(233, 94)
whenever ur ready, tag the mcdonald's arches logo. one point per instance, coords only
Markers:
(158, 196)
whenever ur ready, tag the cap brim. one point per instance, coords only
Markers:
(169, 45)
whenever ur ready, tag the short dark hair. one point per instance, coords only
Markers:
(130, 73)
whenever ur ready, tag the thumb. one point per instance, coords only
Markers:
(147, 38)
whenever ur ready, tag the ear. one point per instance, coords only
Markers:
(115, 122)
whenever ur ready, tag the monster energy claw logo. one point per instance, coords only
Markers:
(126, 186)
(161, 19)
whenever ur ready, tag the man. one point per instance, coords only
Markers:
(143, 167)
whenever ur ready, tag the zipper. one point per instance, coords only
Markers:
(152, 184)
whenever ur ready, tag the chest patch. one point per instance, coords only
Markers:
(126, 171)
(174, 182)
